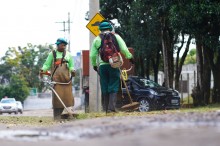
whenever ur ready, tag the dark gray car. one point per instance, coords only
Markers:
(150, 95)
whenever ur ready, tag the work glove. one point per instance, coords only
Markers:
(41, 73)
(73, 73)
(132, 61)
(95, 68)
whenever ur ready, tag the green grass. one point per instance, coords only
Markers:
(48, 121)
(185, 100)
(26, 120)
(209, 108)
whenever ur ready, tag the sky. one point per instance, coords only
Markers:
(34, 21)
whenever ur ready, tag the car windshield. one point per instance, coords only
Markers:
(7, 101)
(147, 83)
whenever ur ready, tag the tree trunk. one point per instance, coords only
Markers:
(216, 74)
(165, 53)
(216, 88)
(156, 64)
(142, 67)
(171, 65)
(179, 65)
(199, 60)
(148, 69)
(213, 56)
(177, 72)
(206, 82)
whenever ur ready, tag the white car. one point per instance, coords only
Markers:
(20, 107)
(8, 105)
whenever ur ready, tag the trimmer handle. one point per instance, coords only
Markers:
(127, 70)
(45, 73)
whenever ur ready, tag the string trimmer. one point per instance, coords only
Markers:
(50, 85)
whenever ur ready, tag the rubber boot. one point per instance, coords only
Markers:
(105, 102)
(57, 113)
(112, 102)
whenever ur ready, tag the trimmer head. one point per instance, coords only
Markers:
(68, 112)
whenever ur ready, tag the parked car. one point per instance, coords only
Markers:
(8, 105)
(150, 95)
(20, 107)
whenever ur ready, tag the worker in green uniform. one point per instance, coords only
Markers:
(60, 62)
(109, 76)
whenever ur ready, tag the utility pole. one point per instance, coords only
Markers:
(68, 22)
(94, 87)
(68, 29)
(64, 28)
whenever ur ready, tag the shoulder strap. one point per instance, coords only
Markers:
(63, 55)
(54, 61)
(115, 41)
(102, 37)
(54, 56)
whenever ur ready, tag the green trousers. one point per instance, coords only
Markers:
(109, 79)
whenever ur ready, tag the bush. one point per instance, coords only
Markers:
(18, 88)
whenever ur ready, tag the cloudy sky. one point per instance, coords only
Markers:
(34, 21)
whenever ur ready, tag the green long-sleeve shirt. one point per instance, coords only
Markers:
(49, 60)
(97, 43)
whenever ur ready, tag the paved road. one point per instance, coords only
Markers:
(192, 129)
(35, 103)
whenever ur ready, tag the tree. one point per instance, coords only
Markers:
(24, 61)
(139, 30)
(18, 88)
(180, 61)
(191, 57)
(149, 26)
(19, 70)
(201, 19)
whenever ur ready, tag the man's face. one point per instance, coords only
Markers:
(61, 47)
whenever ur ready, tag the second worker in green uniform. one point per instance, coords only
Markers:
(109, 76)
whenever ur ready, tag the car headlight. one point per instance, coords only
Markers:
(153, 92)
(175, 93)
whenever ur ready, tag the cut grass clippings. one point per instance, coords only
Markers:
(208, 108)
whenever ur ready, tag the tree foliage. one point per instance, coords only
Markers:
(152, 27)
(139, 30)
(17, 88)
(19, 69)
(191, 57)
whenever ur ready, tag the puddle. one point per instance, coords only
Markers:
(31, 135)
(34, 135)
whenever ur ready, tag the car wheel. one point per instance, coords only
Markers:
(16, 113)
(9, 113)
(144, 105)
